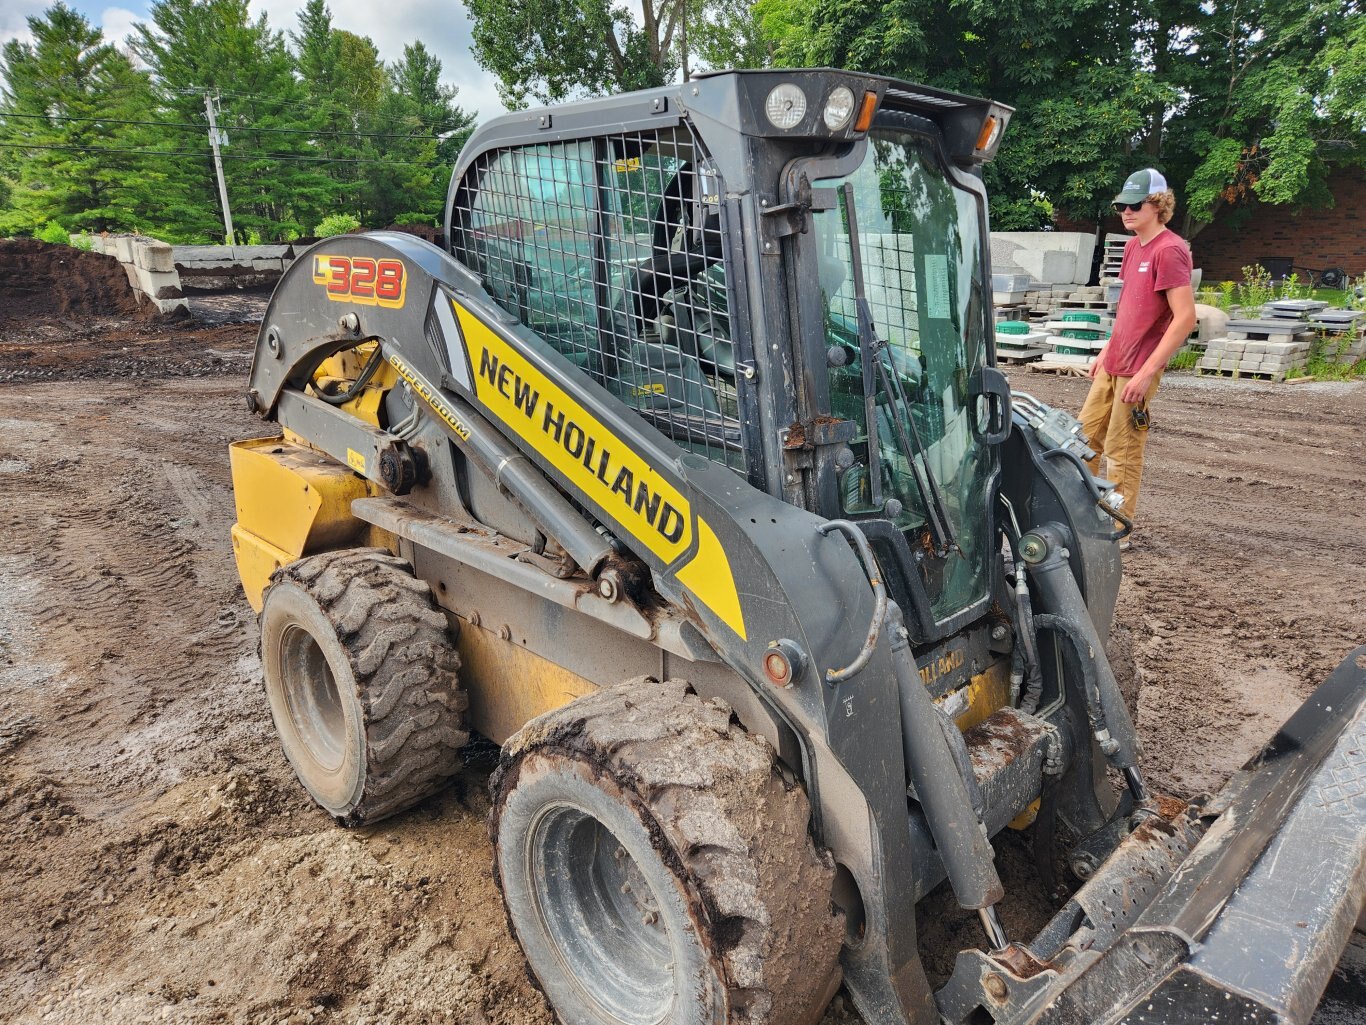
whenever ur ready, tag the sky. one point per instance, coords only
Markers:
(444, 29)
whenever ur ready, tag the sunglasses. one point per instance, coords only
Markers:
(1131, 207)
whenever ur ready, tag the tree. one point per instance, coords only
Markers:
(275, 183)
(552, 50)
(1277, 99)
(407, 182)
(1070, 69)
(1230, 98)
(68, 157)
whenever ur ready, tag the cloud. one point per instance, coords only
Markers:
(117, 24)
(445, 30)
(14, 15)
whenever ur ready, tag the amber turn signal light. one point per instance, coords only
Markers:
(866, 111)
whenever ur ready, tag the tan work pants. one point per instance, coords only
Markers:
(1109, 425)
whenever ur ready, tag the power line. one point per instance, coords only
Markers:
(199, 128)
(226, 156)
(310, 106)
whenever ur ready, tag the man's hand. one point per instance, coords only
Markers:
(1136, 389)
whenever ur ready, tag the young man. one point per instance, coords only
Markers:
(1155, 316)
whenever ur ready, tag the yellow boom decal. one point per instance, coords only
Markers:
(601, 466)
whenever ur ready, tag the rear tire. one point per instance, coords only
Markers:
(362, 680)
(656, 868)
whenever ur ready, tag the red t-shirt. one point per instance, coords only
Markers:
(1144, 315)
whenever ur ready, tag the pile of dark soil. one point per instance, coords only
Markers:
(40, 279)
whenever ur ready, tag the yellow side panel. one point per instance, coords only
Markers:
(509, 685)
(297, 499)
(290, 501)
(256, 561)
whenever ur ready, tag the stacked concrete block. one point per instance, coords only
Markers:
(1341, 333)
(1292, 309)
(1061, 257)
(1016, 343)
(151, 270)
(1238, 357)
(211, 268)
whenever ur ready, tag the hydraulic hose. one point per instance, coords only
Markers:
(1095, 711)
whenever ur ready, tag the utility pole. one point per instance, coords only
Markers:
(218, 166)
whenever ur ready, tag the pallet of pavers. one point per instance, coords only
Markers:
(1269, 330)
(1016, 343)
(1260, 360)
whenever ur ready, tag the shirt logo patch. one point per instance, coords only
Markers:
(1143, 268)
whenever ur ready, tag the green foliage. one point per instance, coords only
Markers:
(1256, 288)
(1232, 99)
(58, 160)
(53, 232)
(1186, 359)
(336, 224)
(551, 50)
(1326, 359)
(83, 242)
(86, 138)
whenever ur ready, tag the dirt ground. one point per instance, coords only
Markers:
(159, 861)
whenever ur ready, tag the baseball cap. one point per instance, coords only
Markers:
(1140, 185)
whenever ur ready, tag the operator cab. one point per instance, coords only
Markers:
(783, 272)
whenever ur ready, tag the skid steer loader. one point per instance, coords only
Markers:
(684, 473)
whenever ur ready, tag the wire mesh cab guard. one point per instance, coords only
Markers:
(612, 249)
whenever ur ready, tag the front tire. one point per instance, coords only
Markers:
(656, 868)
(362, 680)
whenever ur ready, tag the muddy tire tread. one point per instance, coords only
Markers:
(406, 670)
(765, 886)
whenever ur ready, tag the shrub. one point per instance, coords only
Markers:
(83, 241)
(336, 224)
(53, 232)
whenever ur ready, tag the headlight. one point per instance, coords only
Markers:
(785, 106)
(838, 108)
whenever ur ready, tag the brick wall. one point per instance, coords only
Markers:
(1335, 237)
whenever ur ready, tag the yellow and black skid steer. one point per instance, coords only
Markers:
(684, 473)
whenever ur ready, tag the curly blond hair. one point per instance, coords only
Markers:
(1165, 203)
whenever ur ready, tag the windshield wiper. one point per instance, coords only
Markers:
(912, 449)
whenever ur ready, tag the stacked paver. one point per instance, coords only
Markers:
(1017, 343)
(1280, 340)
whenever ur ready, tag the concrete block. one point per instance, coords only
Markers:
(1234, 345)
(249, 253)
(123, 248)
(159, 284)
(1284, 348)
(1258, 348)
(261, 264)
(153, 255)
(1250, 364)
